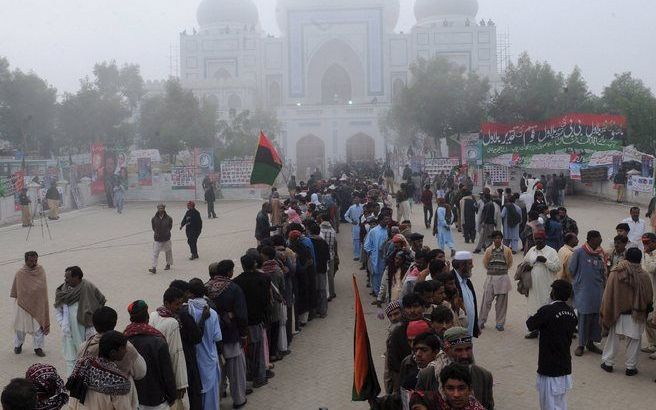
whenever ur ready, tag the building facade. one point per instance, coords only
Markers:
(333, 71)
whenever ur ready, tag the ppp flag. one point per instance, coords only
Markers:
(267, 164)
(365, 380)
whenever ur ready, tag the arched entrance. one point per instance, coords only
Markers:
(310, 154)
(360, 147)
(335, 86)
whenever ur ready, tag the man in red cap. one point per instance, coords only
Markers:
(545, 264)
(194, 224)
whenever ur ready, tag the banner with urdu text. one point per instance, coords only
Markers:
(595, 132)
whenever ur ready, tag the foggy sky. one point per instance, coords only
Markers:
(61, 39)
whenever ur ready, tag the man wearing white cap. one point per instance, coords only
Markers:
(462, 270)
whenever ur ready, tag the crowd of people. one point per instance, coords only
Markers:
(222, 335)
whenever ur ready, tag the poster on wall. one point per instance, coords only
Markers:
(144, 172)
(471, 150)
(204, 161)
(549, 161)
(183, 178)
(98, 165)
(637, 183)
(236, 172)
(596, 132)
(18, 185)
(497, 175)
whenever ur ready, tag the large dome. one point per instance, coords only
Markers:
(213, 12)
(431, 9)
(391, 9)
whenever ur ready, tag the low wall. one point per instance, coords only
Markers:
(606, 190)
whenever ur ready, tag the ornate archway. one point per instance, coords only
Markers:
(360, 147)
(310, 154)
(336, 86)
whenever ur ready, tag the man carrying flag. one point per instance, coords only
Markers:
(365, 380)
(267, 164)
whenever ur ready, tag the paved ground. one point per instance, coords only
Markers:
(114, 252)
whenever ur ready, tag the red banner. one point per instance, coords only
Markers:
(98, 164)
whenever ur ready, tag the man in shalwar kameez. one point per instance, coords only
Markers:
(32, 309)
(352, 216)
(374, 245)
(546, 264)
(75, 302)
(206, 353)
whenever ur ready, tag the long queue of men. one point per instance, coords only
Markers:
(206, 340)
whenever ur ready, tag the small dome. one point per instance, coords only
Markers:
(391, 9)
(431, 9)
(212, 12)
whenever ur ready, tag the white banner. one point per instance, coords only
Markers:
(637, 183)
(549, 161)
(434, 166)
(630, 153)
(602, 158)
(153, 154)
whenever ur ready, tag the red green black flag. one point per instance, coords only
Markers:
(365, 380)
(267, 163)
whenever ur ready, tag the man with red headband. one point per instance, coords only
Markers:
(194, 224)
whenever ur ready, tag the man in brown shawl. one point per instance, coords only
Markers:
(624, 310)
(32, 315)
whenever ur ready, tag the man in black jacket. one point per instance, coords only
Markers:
(158, 386)
(257, 294)
(462, 271)
(322, 252)
(263, 227)
(210, 196)
(162, 224)
(194, 224)
(556, 323)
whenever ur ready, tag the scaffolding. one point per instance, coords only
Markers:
(503, 51)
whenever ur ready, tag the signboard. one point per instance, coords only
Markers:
(603, 158)
(471, 150)
(236, 172)
(639, 183)
(434, 166)
(144, 172)
(570, 131)
(183, 178)
(596, 174)
(152, 154)
(575, 171)
(204, 161)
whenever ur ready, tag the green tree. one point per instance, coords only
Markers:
(532, 91)
(443, 99)
(103, 109)
(239, 134)
(629, 96)
(27, 109)
(177, 121)
(576, 97)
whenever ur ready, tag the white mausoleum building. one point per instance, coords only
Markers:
(332, 72)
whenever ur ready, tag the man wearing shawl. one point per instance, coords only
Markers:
(229, 300)
(132, 364)
(157, 391)
(194, 226)
(75, 301)
(164, 319)
(50, 394)
(588, 269)
(545, 264)
(207, 356)
(624, 308)
(32, 308)
(97, 382)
